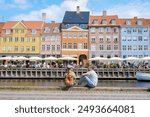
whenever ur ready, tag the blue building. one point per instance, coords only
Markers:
(135, 37)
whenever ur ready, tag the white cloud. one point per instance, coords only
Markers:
(136, 8)
(54, 12)
(21, 2)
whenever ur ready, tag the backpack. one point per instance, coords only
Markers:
(69, 80)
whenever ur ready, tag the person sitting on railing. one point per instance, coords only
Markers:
(91, 78)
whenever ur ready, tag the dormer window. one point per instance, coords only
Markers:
(112, 22)
(47, 30)
(95, 22)
(34, 31)
(7, 31)
(56, 30)
(128, 22)
(139, 22)
(104, 22)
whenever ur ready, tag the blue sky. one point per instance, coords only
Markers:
(32, 9)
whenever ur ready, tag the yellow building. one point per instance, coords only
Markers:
(21, 38)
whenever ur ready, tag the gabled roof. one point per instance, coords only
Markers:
(1, 26)
(72, 17)
(33, 24)
(108, 19)
(9, 24)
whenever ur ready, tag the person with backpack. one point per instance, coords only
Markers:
(70, 77)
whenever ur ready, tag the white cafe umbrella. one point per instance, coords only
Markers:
(132, 59)
(116, 59)
(6, 58)
(146, 58)
(51, 58)
(67, 58)
(20, 58)
(98, 58)
(35, 59)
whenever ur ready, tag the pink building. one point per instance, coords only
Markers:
(51, 40)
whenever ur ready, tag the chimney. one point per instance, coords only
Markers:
(135, 17)
(104, 13)
(78, 9)
(44, 17)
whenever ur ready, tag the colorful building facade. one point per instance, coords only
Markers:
(51, 40)
(104, 36)
(21, 38)
(75, 35)
(135, 39)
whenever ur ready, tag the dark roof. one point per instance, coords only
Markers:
(72, 17)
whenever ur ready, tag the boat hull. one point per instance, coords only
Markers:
(143, 76)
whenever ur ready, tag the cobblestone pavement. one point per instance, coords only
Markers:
(73, 95)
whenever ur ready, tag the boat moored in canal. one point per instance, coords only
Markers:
(143, 76)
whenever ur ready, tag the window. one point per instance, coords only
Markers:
(129, 38)
(108, 47)
(123, 38)
(101, 39)
(43, 38)
(47, 30)
(85, 46)
(47, 38)
(129, 47)
(85, 35)
(93, 47)
(139, 38)
(80, 34)
(140, 31)
(53, 47)
(140, 47)
(115, 29)
(145, 47)
(108, 39)
(104, 22)
(9, 48)
(28, 48)
(69, 35)
(95, 21)
(58, 47)
(4, 48)
(134, 30)
(128, 31)
(48, 47)
(8, 31)
(16, 30)
(64, 46)
(134, 38)
(115, 39)
(93, 29)
(115, 47)
(75, 35)
(22, 30)
(128, 22)
(16, 39)
(101, 29)
(10, 39)
(101, 47)
(22, 39)
(124, 47)
(113, 22)
(134, 47)
(4, 39)
(33, 39)
(139, 22)
(64, 35)
(58, 38)
(75, 45)
(16, 48)
(93, 39)
(145, 30)
(69, 45)
(108, 29)
(145, 38)
(53, 38)
(33, 48)
(34, 31)
(28, 39)
(56, 30)
(79, 45)
(22, 48)
(43, 47)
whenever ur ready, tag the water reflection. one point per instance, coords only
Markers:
(45, 82)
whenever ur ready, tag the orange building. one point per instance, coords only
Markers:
(75, 35)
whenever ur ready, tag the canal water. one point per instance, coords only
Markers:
(46, 82)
